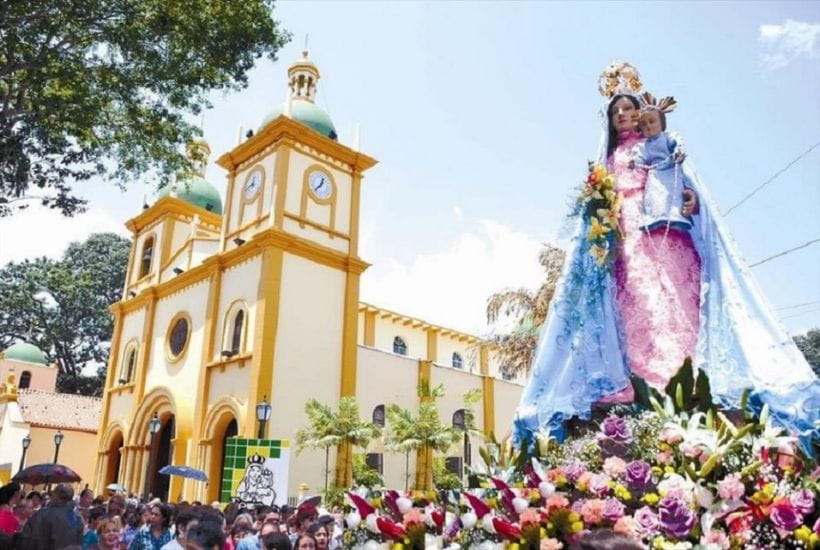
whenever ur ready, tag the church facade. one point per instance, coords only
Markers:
(255, 302)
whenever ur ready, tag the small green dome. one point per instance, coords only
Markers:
(309, 114)
(197, 191)
(25, 352)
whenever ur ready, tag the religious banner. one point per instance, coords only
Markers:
(256, 471)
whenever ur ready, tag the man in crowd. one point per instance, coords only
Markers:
(184, 520)
(55, 526)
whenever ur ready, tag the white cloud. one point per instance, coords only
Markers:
(788, 41)
(450, 286)
(39, 231)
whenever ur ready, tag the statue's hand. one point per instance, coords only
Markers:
(690, 202)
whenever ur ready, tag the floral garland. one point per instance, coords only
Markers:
(602, 207)
(657, 478)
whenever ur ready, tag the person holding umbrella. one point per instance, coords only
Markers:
(56, 525)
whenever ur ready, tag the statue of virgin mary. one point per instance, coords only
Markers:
(669, 293)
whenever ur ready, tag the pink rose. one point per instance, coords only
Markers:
(599, 484)
(670, 436)
(664, 457)
(803, 501)
(556, 501)
(614, 466)
(627, 526)
(550, 544)
(717, 538)
(731, 488)
(593, 511)
(785, 516)
(613, 510)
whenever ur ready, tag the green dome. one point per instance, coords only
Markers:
(25, 352)
(309, 114)
(197, 191)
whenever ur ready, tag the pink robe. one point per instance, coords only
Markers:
(658, 283)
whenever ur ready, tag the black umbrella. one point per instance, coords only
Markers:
(40, 474)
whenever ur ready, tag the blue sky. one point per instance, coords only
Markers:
(483, 116)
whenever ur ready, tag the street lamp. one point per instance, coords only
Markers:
(58, 440)
(26, 443)
(263, 411)
(154, 426)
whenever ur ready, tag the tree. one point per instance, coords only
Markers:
(529, 310)
(364, 475)
(343, 429)
(104, 87)
(425, 433)
(62, 307)
(809, 344)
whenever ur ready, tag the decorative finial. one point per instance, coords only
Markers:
(619, 78)
(303, 77)
(198, 153)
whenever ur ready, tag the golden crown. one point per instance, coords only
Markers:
(619, 78)
(664, 105)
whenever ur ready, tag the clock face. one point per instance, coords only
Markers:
(253, 184)
(320, 184)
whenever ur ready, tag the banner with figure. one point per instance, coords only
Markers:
(256, 471)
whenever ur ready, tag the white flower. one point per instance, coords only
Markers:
(545, 488)
(520, 504)
(428, 516)
(404, 504)
(487, 524)
(704, 497)
(432, 542)
(468, 520)
(372, 544)
(372, 526)
(353, 520)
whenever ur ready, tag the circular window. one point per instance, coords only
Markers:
(178, 336)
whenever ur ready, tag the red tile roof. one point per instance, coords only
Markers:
(65, 411)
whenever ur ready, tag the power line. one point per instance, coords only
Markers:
(812, 310)
(768, 181)
(779, 254)
(795, 306)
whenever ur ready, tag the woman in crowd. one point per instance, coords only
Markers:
(133, 525)
(109, 531)
(305, 541)
(9, 497)
(159, 530)
(320, 535)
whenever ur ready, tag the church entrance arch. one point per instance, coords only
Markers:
(113, 457)
(221, 424)
(160, 456)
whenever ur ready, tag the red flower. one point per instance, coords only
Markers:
(390, 529)
(506, 529)
(478, 505)
(438, 518)
(363, 507)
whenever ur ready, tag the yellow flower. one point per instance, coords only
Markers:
(657, 470)
(803, 534)
(650, 498)
(669, 469)
(622, 493)
(599, 171)
(608, 216)
(574, 516)
(596, 229)
(600, 254)
(577, 526)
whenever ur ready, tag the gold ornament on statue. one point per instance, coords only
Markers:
(619, 78)
(664, 105)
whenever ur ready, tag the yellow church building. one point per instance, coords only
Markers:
(257, 300)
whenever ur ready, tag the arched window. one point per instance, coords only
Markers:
(378, 416)
(147, 256)
(130, 363)
(459, 419)
(399, 346)
(25, 380)
(236, 337)
(458, 361)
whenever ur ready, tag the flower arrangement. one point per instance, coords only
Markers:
(601, 206)
(675, 474)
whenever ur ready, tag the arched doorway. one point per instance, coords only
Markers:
(160, 457)
(113, 457)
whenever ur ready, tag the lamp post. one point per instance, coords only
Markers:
(263, 411)
(58, 440)
(26, 443)
(154, 426)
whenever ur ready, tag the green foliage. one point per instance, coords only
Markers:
(809, 344)
(444, 479)
(683, 393)
(106, 87)
(364, 475)
(328, 429)
(61, 306)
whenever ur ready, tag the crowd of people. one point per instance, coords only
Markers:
(61, 520)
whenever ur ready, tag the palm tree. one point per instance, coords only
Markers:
(343, 429)
(529, 309)
(425, 432)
